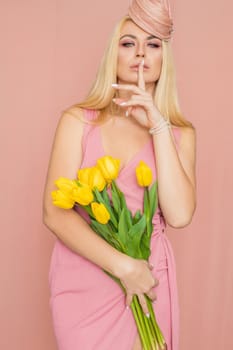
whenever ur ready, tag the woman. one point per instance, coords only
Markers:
(88, 307)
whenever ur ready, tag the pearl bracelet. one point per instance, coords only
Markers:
(162, 125)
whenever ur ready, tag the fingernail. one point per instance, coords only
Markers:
(127, 307)
(127, 113)
(148, 315)
(142, 62)
(123, 103)
(114, 85)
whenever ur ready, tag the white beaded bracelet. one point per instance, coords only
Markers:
(162, 125)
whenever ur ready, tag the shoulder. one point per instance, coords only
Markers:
(76, 113)
(187, 137)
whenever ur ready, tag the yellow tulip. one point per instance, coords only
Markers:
(62, 199)
(92, 177)
(109, 167)
(65, 185)
(100, 212)
(82, 194)
(143, 174)
(84, 175)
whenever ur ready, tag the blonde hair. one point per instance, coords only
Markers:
(101, 93)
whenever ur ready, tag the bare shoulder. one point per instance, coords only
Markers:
(73, 113)
(66, 151)
(187, 137)
(187, 152)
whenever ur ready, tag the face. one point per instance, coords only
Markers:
(134, 45)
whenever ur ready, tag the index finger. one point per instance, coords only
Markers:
(141, 81)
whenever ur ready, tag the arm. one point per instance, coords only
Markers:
(68, 225)
(176, 176)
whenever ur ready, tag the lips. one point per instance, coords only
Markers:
(137, 65)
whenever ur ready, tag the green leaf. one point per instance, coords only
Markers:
(116, 202)
(137, 216)
(145, 247)
(153, 198)
(139, 227)
(122, 226)
(100, 229)
(118, 196)
(106, 196)
(134, 238)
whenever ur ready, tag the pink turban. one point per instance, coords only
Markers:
(153, 16)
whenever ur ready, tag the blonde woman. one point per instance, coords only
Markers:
(89, 309)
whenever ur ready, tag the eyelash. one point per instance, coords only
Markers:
(153, 44)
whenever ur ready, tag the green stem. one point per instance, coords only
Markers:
(144, 329)
(158, 333)
(87, 208)
(153, 341)
(139, 325)
(147, 213)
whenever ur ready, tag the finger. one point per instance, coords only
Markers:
(141, 81)
(151, 266)
(143, 303)
(152, 295)
(129, 298)
(136, 102)
(128, 87)
(129, 110)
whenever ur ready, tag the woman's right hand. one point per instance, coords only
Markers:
(137, 278)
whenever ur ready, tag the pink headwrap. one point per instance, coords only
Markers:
(153, 16)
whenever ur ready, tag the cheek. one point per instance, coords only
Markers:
(122, 62)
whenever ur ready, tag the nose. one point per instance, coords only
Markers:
(141, 54)
(140, 51)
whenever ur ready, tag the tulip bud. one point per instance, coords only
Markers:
(82, 194)
(93, 177)
(109, 167)
(100, 212)
(62, 199)
(65, 185)
(143, 174)
(83, 175)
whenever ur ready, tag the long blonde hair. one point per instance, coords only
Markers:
(101, 93)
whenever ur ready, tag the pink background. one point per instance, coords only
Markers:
(50, 51)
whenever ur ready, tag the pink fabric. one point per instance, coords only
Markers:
(88, 307)
(153, 16)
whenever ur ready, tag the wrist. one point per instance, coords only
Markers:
(123, 266)
(160, 126)
(154, 122)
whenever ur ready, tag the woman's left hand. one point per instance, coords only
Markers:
(140, 105)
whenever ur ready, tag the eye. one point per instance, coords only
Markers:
(127, 44)
(154, 45)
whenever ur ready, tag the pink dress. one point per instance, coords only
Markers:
(88, 307)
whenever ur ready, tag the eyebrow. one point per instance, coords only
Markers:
(134, 37)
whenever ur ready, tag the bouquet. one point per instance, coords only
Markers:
(96, 191)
